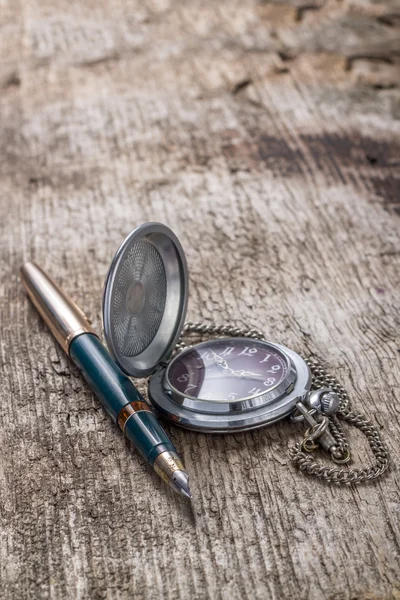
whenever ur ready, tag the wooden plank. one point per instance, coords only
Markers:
(266, 135)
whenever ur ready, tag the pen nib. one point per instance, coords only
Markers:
(169, 467)
(180, 481)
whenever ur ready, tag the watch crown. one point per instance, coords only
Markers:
(330, 403)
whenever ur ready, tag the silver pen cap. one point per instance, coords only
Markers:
(63, 317)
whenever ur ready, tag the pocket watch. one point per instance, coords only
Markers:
(233, 381)
(230, 384)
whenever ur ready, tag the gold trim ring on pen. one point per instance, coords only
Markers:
(128, 410)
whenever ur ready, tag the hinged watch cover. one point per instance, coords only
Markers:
(145, 299)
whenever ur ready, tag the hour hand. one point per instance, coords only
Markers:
(221, 362)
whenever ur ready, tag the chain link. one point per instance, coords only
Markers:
(320, 379)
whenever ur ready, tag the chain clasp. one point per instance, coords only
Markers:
(315, 409)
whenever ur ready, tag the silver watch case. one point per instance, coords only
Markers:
(238, 415)
(144, 308)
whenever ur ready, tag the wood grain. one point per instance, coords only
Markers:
(266, 134)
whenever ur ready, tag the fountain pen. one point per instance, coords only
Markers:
(115, 390)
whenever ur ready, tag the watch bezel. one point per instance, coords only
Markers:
(252, 418)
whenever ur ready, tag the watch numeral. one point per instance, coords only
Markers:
(190, 386)
(267, 357)
(248, 351)
(274, 368)
(183, 377)
(206, 355)
(254, 391)
(232, 396)
(228, 350)
(270, 381)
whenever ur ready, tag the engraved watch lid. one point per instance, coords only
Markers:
(145, 299)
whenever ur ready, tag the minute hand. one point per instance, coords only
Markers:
(249, 373)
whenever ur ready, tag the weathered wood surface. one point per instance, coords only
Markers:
(266, 135)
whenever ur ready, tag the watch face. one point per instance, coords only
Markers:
(228, 370)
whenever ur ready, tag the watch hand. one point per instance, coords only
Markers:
(249, 373)
(222, 362)
(224, 365)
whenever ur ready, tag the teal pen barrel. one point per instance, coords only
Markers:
(145, 432)
(120, 398)
(106, 379)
